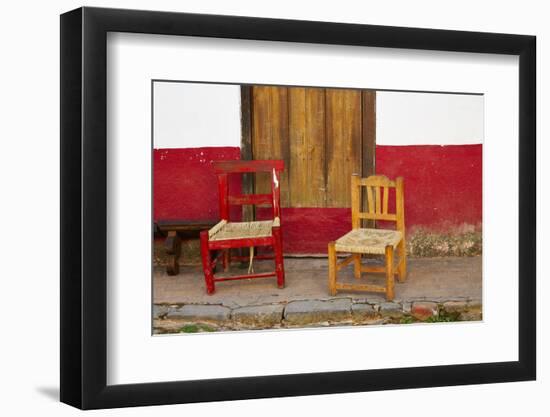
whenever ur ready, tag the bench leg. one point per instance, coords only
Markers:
(206, 263)
(332, 268)
(279, 263)
(172, 245)
(389, 273)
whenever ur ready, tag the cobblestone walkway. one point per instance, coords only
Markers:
(449, 287)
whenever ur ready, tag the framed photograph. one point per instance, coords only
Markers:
(257, 208)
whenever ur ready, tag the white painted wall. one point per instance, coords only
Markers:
(193, 115)
(428, 119)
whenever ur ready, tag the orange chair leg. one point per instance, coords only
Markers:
(357, 265)
(332, 268)
(402, 268)
(389, 273)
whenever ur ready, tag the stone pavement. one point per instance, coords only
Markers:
(449, 288)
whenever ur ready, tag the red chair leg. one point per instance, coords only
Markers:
(278, 249)
(206, 263)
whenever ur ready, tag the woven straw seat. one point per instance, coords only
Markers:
(240, 230)
(371, 241)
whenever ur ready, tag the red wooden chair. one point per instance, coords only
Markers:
(227, 235)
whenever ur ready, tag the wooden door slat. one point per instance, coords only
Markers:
(343, 130)
(307, 147)
(270, 134)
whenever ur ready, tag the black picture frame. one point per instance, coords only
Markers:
(84, 207)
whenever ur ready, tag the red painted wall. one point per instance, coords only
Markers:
(184, 183)
(443, 184)
(308, 230)
(443, 190)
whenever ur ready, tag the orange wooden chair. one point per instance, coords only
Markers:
(372, 241)
(227, 235)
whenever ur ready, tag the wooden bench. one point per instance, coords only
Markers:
(175, 231)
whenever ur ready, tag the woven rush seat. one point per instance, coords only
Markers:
(371, 241)
(225, 230)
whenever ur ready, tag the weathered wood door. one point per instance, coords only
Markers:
(323, 135)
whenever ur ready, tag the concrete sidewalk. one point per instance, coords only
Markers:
(434, 286)
(307, 278)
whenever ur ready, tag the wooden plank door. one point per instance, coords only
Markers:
(323, 135)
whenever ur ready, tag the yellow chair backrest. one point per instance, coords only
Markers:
(377, 189)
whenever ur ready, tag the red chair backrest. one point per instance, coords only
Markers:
(224, 168)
